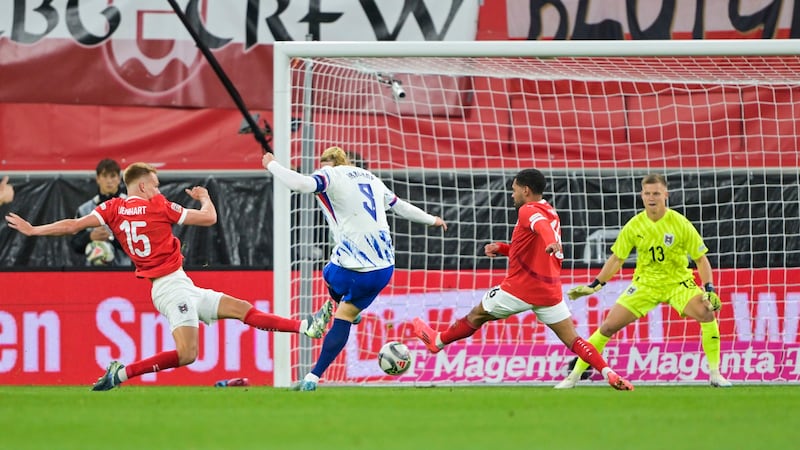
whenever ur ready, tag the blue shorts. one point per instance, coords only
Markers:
(357, 288)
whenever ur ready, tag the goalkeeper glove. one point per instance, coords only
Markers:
(582, 291)
(714, 303)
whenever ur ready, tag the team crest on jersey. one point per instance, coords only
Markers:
(183, 308)
(669, 239)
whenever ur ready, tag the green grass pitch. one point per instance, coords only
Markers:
(494, 418)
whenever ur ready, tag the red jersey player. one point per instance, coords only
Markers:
(142, 223)
(532, 283)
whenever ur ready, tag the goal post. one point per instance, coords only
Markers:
(447, 125)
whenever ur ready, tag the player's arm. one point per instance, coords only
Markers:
(541, 226)
(207, 214)
(410, 212)
(6, 191)
(59, 228)
(290, 178)
(493, 249)
(710, 297)
(610, 268)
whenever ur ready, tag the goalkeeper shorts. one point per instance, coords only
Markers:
(640, 299)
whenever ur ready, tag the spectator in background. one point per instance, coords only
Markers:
(108, 177)
(6, 191)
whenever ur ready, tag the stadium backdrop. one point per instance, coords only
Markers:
(60, 322)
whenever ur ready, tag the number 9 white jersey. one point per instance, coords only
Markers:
(355, 202)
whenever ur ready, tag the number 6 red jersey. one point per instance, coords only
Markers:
(534, 276)
(144, 228)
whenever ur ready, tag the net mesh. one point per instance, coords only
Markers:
(723, 130)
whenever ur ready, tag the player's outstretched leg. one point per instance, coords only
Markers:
(110, 379)
(717, 380)
(617, 382)
(426, 334)
(319, 320)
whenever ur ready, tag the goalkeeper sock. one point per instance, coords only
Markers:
(460, 329)
(159, 361)
(270, 322)
(710, 332)
(599, 342)
(332, 345)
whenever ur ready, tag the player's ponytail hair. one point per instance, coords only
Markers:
(335, 155)
(136, 171)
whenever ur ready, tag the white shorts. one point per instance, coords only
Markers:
(501, 304)
(177, 298)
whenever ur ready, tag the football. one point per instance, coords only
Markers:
(394, 358)
(99, 253)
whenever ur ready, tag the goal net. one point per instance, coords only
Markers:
(447, 125)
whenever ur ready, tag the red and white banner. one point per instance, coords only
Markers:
(139, 53)
(64, 327)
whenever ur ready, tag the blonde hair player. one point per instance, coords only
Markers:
(663, 239)
(142, 222)
(354, 202)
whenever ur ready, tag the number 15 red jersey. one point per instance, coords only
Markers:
(144, 228)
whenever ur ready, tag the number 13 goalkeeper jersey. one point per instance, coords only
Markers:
(662, 247)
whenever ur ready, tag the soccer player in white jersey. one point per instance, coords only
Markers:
(354, 202)
(663, 239)
(142, 222)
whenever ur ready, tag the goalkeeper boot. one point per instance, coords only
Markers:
(426, 335)
(717, 380)
(568, 383)
(110, 379)
(618, 383)
(305, 385)
(319, 320)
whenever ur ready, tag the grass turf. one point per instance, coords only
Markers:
(652, 417)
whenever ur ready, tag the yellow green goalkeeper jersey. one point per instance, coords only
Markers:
(661, 247)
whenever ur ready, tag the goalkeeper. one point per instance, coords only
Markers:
(663, 238)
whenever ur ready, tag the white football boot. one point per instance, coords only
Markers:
(717, 380)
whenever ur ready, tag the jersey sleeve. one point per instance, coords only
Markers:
(323, 178)
(539, 224)
(103, 212)
(625, 242)
(696, 246)
(174, 212)
(389, 197)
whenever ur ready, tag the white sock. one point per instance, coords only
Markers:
(311, 377)
(303, 326)
(605, 371)
(122, 375)
(438, 340)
